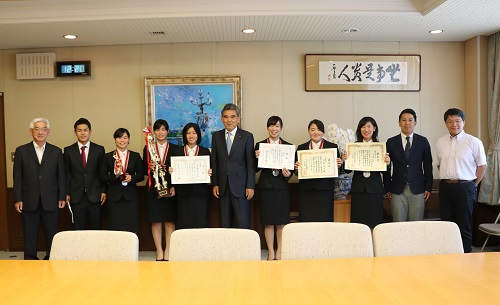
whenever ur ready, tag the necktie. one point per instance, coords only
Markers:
(228, 142)
(84, 158)
(407, 148)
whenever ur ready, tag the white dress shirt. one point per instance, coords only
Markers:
(161, 150)
(459, 157)
(403, 140)
(87, 146)
(39, 151)
(316, 145)
(232, 133)
(191, 151)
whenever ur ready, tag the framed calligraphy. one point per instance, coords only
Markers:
(183, 99)
(341, 72)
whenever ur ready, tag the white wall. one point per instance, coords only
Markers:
(272, 79)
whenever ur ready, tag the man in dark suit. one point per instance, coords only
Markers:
(38, 187)
(233, 169)
(85, 192)
(411, 181)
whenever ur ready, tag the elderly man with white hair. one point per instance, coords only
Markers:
(39, 187)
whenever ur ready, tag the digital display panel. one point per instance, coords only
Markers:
(71, 68)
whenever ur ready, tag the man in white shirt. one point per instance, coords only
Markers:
(461, 161)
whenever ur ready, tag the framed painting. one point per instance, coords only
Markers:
(183, 99)
(341, 72)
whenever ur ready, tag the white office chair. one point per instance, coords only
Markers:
(490, 229)
(417, 238)
(214, 244)
(316, 240)
(95, 246)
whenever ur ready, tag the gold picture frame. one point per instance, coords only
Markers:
(184, 99)
(362, 72)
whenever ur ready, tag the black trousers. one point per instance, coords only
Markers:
(86, 212)
(456, 202)
(31, 226)
(237, 207)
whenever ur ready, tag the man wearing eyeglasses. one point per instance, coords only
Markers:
(38, 187)
(461, 161)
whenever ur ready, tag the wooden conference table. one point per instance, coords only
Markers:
(436, 279)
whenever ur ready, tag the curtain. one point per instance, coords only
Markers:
(490, 186)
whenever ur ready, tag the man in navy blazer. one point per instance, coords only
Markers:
(233, 169)
(411, 181)
(38, 187)
(85, 192)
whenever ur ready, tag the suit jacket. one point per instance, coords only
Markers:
(324, 184)
(236, 168)
(267, 180)
(172, 151)
(78, 179)
(34, 181)
(115, 188)
(417, 170)
(370, 185)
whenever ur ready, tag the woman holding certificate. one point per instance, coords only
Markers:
(121, 169)
(161, 210)
(192, 199)
(316, 194)
(367, 191)
(274, 192)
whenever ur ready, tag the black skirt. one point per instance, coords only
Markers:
(192, 206)
(315, 205)
(160, 209)
(123, 215)
(274, 206)
(367, 208)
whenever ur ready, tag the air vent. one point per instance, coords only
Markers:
(157, 33)
(35, 65)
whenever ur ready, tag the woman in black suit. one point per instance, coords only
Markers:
(121, 169)
(316, 195)
(274, 192)
(367, 191)
(192, 199)
(161, 212)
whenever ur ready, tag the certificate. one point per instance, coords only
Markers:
(190, 170)
(317, 163)
(366, 156)
(276, 156)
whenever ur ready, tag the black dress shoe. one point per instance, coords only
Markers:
(159, 260)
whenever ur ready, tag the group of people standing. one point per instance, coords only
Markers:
(85, 177)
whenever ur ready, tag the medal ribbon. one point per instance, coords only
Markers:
(320, 144)
(147, 131)
(124, 166)
(186, 152)
(164, 157)
(269, 141)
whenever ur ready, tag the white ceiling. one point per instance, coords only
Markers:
(42, 23)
